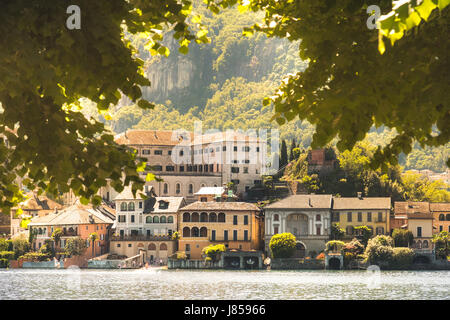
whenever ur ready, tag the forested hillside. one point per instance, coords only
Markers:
(223, 84)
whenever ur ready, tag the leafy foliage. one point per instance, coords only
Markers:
(349, 86)
(365, 233)
(402, 258)
(213, 251)
(379, 250)
(336, 233)
(402, 237)
(47, 69)
(282, 245)
(442, 244)
(334, 246)
(75, 246)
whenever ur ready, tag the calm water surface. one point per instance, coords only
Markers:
(206, 284)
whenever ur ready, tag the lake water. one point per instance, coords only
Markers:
(156, 284)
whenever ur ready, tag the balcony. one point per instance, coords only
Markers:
(222, 239)
(141, 238)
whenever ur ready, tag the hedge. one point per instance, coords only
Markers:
(8, 255)
(35, 257)
(4, 263)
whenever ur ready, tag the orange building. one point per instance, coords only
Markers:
(441, 216)
(76, 221)
(237, 225)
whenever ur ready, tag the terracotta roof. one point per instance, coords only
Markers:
(363, 203)
(303, 201)
(75, 214)
(440, 207)
(220, 206)
(151, 137)
(413, 209)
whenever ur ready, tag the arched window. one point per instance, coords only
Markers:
(186, 217)
(152, 247)
(380, 230)
(163, 219)
(203, 232)
(123, 206)
(169, 219)
(40, 231)
(276, 217)
(195, 232)
(148, 220)
(186, 232)
(203, 217)
(425, 244)
(131, 206)
(156, 219)
(221, 217)
(163, 247)
(448, 217)
(441, 217)
(166, 188)
(212, 217)
(191, 188)
(195, 217)
(178, 188)
(419, 244)
(318, 217)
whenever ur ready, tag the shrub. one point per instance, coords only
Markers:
(365, 234)
(379, 250)
(5, 245)
(402, 258)
(4, 263)
(35, 256)
(213, 251)
(402, 237)
(441, 241)
(75, 246)
(9, 255)
(334, 245)
(20, 247)
(282, 245)
(352, 250)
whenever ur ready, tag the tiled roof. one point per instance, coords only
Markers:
(75, 214)
(440, 207)
(413, 209)
(303, 201)
(220, 206)
(151, 137)
(363, 203)
(175, 203)
(127, 194)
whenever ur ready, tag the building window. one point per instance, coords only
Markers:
(245, 220)
(235, 148)
(225, 235)
(234, 169)
(380, 216)
(245, 235)
(118, 245)
(359, 216)
(157, 167)
(131, 206)
(181, 168)
(441, 228)
(245, 170)
(163, 219)
(148, 220)
(235, 220)
(145, 151)
(221, 217)
(419, 231)
(169, 219)
(178, 188)
(170, 168)
(191, 188)
(349, 230)
(158, 152)
(335, 216)
(318, 230)
(224, 148)
(235, 235)
(213, 235)
(169, 152)
(132, 218)
(275, 229)
(318, 217)
(369, 216)
(122, 218)
(166, 188)
(188, 247)
(276, 217)
(156, 219)
(123, 206)
(130, 245)
(140, 204)
(349, 216)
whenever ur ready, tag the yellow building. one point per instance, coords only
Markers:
(358, 211)
(237, 225)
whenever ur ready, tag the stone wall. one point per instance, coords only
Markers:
(192, 264)
(297, 264)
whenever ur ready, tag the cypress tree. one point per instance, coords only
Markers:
(283, 154)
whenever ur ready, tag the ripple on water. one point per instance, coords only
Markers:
(206, 284)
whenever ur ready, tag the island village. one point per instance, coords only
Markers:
(213, 212)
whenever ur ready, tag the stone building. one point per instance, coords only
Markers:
(237, 225)
(187, 162)
(441, 216)
(307, 217)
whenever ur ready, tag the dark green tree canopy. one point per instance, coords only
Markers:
(46, 68)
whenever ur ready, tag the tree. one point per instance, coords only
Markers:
(56, 236)
(283, 154)
(336, 232)
(351, 82)
(212, 252)
(441, 241)
(402, 237)
(92, 238)
(293, 147)
(379, 250)
(75, 246)
(282, 245)
(20, 247)
(51, 145)
(365, 233)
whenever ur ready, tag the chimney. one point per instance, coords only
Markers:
(359, 195)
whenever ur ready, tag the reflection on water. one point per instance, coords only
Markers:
(207, 284)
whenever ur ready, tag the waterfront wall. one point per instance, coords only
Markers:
(41, 265)
(297, 264)
(104, 264)
(79, 261)
(193, 264)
